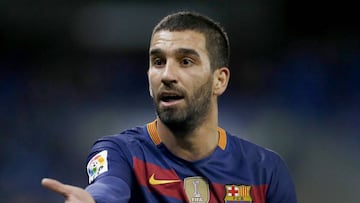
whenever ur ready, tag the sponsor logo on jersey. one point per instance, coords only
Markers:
(197, 189)
(154, 181)
(238, 193)
(97, 165)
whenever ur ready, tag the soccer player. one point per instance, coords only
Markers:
(183, 155)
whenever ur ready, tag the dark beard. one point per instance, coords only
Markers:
(183, 121)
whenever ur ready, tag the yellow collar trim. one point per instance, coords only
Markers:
(151, 128)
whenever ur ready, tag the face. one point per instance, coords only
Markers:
(180, 78)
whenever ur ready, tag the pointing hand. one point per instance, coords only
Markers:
(72, 194)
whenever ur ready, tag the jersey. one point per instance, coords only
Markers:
(135, 166)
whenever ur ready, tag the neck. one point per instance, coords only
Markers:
(192, 145)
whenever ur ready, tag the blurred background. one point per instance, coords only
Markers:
(73, 71)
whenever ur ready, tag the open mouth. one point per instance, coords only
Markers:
(170, 98)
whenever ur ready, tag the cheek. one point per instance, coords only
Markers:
(152, 81)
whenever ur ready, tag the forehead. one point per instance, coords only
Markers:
(173, 40)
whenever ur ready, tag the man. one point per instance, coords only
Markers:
(183, 156)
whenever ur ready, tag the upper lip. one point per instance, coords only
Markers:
(167, 94)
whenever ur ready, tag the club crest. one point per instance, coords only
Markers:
(238, 193)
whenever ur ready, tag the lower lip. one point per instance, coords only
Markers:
(170, 103)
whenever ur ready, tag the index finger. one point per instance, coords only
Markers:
(55, 186)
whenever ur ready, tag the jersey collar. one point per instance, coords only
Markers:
(151, 128)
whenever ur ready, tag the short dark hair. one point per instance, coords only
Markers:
(217, 41)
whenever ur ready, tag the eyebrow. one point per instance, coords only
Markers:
(155, 52)
(183, 51)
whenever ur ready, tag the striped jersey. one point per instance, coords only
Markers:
(135, 166)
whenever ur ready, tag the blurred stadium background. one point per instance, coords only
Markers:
(72, 71)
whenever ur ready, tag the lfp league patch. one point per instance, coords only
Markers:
(97, 165)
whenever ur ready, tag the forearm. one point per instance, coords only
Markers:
(109, 189)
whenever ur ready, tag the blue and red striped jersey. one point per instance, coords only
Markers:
(135, 166)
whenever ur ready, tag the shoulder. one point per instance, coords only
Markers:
(129, 136)
(121, 146)
(251, 152)
(124, 144)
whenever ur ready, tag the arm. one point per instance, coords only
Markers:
(110, 172)
(109, 176)
(109, 189)
(104, 191)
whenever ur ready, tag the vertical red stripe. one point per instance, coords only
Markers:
(258, 193)
(143, 172)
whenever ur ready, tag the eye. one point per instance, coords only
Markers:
(187, 61)
(158, 62)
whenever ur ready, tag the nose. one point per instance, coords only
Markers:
(169, 74)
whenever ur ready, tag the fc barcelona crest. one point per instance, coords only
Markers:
(238, 193)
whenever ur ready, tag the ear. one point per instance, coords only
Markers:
(221, 80)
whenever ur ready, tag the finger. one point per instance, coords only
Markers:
(55, 186)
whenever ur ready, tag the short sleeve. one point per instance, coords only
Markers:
(281, 188)
(109, 167)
